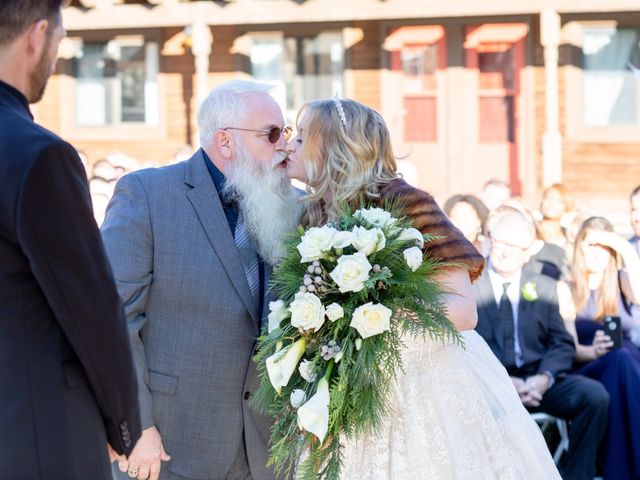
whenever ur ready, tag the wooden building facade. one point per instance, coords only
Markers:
(531, 92)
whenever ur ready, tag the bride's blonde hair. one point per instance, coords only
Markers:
(349, 157)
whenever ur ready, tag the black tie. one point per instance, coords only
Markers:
(506, 317)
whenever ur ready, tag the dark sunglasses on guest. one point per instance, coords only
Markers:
(273, 134)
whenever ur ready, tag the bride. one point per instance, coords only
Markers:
(455, 414)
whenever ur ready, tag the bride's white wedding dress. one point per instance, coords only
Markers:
(455, 416)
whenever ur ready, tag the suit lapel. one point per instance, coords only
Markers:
(206, 203)
(488, 303)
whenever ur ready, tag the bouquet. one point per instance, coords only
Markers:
(347, 294)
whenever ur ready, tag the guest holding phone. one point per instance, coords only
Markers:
(600, 291)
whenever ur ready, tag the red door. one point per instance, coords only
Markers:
(414, 104)
(495, 60)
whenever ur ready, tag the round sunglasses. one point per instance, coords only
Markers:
(273, 134)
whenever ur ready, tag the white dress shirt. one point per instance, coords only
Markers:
(513, 292)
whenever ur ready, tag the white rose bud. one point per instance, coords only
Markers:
(358, 344)
(375, 216)
(413, 257)
(341, 239)
(334, 312)
(307, 371)
(368, 241)
(278, 312)
(412, 234)
(339, 356)
(370, 319)
(351, 273)
(315, 242)
(297, 398)
(307, 311)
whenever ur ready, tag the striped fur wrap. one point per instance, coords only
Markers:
(427, 217)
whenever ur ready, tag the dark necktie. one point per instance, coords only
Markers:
(506, 317)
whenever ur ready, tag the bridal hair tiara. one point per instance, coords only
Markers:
(338, 104)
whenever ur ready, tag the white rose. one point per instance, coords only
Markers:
(351, 272)
(412, 234)
(370, 319)
(282, 364)
(315, 242)
(341, 239)
(297, 398)
(413, 257)
(277, 313)
(334, 312)
(368, 241)
(313, 416)
(307, 311)
(375, 216)
(307, 371)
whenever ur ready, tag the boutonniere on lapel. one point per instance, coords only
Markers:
(529, 292)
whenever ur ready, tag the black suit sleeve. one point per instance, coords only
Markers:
(61, 240)
(560, 346)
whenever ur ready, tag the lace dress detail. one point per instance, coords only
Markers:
(455, 416)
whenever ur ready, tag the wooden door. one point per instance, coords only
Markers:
(495, 60)
(413, 102)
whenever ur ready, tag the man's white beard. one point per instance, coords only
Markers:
(266, 201)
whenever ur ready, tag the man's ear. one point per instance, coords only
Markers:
(223, 142)
(37, 36)
(535, 247)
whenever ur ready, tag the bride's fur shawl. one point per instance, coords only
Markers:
(427, 217)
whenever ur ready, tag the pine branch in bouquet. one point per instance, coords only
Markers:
(348, 293)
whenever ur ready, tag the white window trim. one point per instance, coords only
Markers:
(152, 128)
(576, 131)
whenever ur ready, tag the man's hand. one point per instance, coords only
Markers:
(518, 383)
(534, 389)
(523, 393)
(147, 456)
(115, 456)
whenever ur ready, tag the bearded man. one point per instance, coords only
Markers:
(192, 245)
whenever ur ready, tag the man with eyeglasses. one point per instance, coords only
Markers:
(192, 245)
(519, 317)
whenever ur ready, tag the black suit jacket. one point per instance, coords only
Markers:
(545, 343)
(67, 381)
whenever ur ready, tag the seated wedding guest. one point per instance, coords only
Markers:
(555, 209)
(599, 290)
(519, 317)
(494, 193)
(635, 218)
(469, 214)
(546, 258)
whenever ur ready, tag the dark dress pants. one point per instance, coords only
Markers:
(584, 404)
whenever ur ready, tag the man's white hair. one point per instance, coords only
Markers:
(224, 107)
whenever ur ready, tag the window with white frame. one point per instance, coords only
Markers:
(302, 68)
(610, 76)
(116, 82)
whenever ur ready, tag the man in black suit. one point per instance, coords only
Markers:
(519, 317)
(68, 394)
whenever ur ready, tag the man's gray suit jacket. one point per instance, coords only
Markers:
(192, 320)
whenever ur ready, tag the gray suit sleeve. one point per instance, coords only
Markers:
(128, 239)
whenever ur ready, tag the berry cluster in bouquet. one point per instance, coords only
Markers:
(347, 294)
